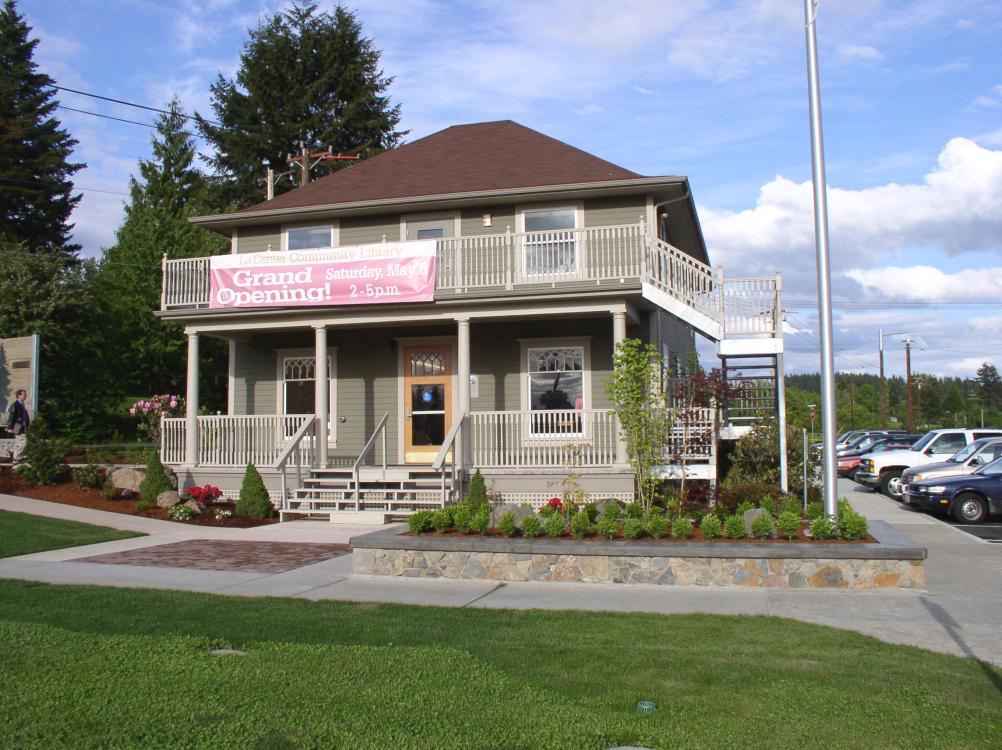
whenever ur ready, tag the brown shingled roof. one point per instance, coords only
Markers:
(463, 158)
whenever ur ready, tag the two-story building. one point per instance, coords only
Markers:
(446, 306)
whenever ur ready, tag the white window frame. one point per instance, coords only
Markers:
(281, 355)
(526, 345)
(333, 226)
(579, 218)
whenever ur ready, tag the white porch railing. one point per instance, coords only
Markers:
(235, 441)
(186, 283)
(558, 438)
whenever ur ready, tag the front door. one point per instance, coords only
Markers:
(427, 400)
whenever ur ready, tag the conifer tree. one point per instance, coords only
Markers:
(305, 77)
(150, 353)
(36, 192)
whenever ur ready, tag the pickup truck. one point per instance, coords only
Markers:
(883, 471)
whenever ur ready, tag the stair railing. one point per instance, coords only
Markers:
(379, 431)
(440, 460)
(308, 428)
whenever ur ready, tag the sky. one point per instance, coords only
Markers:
(911, 104)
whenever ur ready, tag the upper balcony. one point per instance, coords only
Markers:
(625, 256)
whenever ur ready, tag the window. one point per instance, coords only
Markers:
(556, 384)
(308, 238)
(550, 243)
(980, 435)
(298, 394)
(948, 444)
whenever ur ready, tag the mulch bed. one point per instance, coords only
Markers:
(697, 536)
(67, 493)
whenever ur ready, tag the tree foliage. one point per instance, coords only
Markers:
(305, 77)
(36, 192)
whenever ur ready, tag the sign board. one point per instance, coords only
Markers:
(19, 369)
(358, 275)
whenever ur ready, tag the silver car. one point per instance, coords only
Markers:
(966, 461)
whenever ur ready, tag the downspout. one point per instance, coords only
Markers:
(662, 228)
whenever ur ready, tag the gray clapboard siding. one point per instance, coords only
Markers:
(369, 230)
(600, 212)
(254, 385)
(502, 217)
(257, 239)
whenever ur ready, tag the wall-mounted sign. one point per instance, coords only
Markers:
(357, 275)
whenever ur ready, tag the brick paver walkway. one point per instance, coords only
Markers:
(219, 554)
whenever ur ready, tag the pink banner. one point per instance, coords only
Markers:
(359, 275)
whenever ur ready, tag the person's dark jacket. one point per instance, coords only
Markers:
(19, 419)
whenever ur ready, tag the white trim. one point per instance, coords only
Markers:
(402, 342)
(281, 355)
(231, 377)
(334, 225)
(456, 217)
(233, 241)
(652, 227)
(523, 371)
(579, 221)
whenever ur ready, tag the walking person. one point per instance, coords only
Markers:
(18, 422)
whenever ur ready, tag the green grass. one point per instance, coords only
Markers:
(22, 534)
(94, 667)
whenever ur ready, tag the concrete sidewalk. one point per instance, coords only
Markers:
(959, 613)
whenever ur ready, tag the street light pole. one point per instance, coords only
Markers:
(828, 471)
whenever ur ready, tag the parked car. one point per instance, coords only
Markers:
(967, 461)
(883, 471)
(970, 498)
(848, 462)
(865, 442)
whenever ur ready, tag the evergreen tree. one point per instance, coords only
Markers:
(304, 77)
(36, 197)
(150, 353)
(989, 385)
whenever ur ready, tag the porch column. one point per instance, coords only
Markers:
(322, 395)
(463, 376)
(618, 336)
(191, 398)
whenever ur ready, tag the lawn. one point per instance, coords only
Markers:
(22, 534)
(119, 668)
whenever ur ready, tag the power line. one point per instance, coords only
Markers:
(107, 117)
(134, 104)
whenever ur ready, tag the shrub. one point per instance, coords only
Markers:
(142, 505)
(634, 510)
(770, 505)
(548, 510)
(530, 526)
(633, 528)
(89, 477)
(761, 526)
(156, 480)
(179, 512)
(109, 491)
(476, 493)
(580, 525)
(788, 524)
(734, 527)
(44, 454)
(743, 506)
(441, 519)
(612, 510)
(815, 510)
(657, 525)
(822, 527)
(507, 524)
(734, 492)
(554, 524)
(253, 500)
(607, 528)
(854, 526)
(204, 495)
(419, 521)
(592, 510)
(793, 505)
(710, 526)
(482, 519)
(462, 516)
(681, 528)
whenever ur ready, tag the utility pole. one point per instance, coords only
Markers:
(852, 404)
(883, 392)
(908, 382)
(829, 475)
(305, 162)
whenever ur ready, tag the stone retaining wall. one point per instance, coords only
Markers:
(894, 563)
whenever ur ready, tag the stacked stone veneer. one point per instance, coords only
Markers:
(890, 564)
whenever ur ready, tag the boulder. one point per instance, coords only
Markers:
(168, 499)
(601, 504)
(171, 476)
(751, 515)
(196, 507)
(520, 511)
(126, 479)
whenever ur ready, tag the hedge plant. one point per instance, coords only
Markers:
(761, 526)
(482, 519)
(710, 526)
(657, 525)
(506, 523)
(555, 524)
(580, 525)
(633, 528)
(734, 527)
(607, 528)
(530, 526)
(681, 528)
(788, 524)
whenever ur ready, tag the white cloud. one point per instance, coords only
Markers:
(985, 102)
(591, 108)
(929, 284)
(859, 52)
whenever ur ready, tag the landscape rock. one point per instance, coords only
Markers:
(168, 499)
(603, 503)
(126, 479)
(520, 511)
(196, 507)
(751, 515)
(171, 476)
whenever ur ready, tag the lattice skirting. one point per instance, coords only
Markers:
(6, 447)
(537, 500)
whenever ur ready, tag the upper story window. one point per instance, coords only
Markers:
(551, 243)
(308, 238)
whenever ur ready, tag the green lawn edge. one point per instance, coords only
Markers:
(341, 674)
(24, 534)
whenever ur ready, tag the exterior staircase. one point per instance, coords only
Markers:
(375, 495)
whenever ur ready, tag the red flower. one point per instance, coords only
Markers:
(556, 504)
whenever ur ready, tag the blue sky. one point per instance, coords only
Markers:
(912, 104)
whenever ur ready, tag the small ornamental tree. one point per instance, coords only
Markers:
(253, 500)
(151, 410)
(155, 481)
(641, 408)
(476, 494)
(44, 453)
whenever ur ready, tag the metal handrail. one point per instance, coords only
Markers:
(293, 446)
(380, 429)
(449, 442)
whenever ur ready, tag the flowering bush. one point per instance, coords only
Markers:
(224, 513)
(556, 504)
(152, 409)
(204, 495)
(180, 512)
